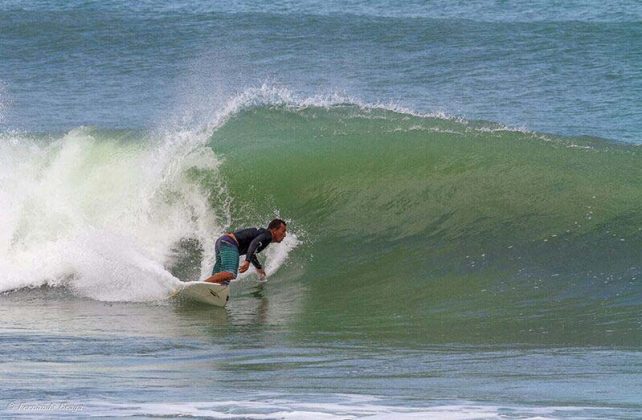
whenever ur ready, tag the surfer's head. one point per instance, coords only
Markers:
(278, 229)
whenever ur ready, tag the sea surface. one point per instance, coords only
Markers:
(462, 184)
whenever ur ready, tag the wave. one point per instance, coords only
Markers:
(439, 222)
(426, 222)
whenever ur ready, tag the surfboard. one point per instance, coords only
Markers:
(200, 291)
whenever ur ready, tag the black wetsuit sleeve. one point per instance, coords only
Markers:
(259, 243)
(256, 263)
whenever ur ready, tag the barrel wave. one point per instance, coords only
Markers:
(403, 226)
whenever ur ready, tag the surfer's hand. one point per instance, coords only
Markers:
(261, 273)
(244, 266)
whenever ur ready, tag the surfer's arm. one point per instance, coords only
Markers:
(256, 263)
(256, 244)
(246, 264)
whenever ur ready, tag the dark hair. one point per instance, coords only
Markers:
(276, 223)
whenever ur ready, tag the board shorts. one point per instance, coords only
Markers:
(227, 256)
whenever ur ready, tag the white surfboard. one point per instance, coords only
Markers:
(200, 291)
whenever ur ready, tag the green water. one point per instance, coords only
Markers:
(442, 230)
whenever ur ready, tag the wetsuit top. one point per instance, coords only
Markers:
(251, 242)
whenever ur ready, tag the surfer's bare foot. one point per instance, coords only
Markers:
(221, 277)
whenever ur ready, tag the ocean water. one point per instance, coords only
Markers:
(462, 184)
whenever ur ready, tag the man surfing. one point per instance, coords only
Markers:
(248, 242)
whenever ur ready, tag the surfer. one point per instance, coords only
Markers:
(248, 241)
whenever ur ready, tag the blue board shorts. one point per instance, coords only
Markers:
(227, 256)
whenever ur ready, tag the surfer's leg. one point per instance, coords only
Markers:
(227, 263)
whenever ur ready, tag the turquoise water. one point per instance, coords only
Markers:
(462, 185)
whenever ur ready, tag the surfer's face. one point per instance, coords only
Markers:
(279, 233)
